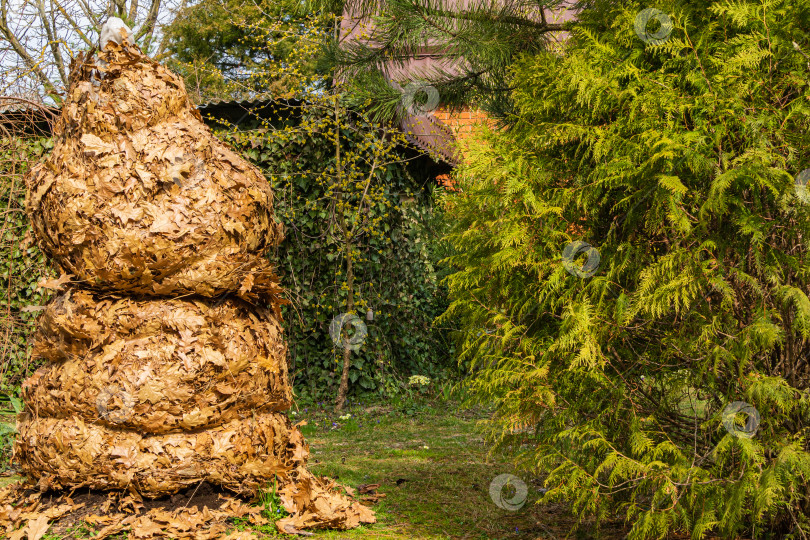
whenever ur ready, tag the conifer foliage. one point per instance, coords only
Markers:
(474, 42)
(666, 377)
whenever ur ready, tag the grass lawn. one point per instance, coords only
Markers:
(434, 469)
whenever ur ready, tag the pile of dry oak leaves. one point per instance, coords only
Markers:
(166, 365)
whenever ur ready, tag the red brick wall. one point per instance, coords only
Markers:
(461, 122)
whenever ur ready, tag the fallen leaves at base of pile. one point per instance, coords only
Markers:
(138, 196)
(25, 516)
(189, 522)
(157, 366)
(242, 456)
(21, 515)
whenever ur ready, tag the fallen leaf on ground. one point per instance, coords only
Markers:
(37, 528)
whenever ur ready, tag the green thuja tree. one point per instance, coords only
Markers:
(661, 373)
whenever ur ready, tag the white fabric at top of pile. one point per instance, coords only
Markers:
(114, 30)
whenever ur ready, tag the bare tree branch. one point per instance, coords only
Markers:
(75, 26)
(133, 10)
(38, 38)
(147, 30)
(52, 41)
(32, 64)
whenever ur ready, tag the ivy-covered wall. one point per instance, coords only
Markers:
(22, 265)
(395, 270)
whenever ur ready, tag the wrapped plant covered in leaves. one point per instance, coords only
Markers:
(138, 196)
(150, 384)
(240, 455)
(157, 366)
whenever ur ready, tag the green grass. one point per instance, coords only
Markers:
(433, 467)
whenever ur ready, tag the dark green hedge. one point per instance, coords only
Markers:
(396, 274)
(22, 265)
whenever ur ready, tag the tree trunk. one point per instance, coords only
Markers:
(343, 389)
(347, 359)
